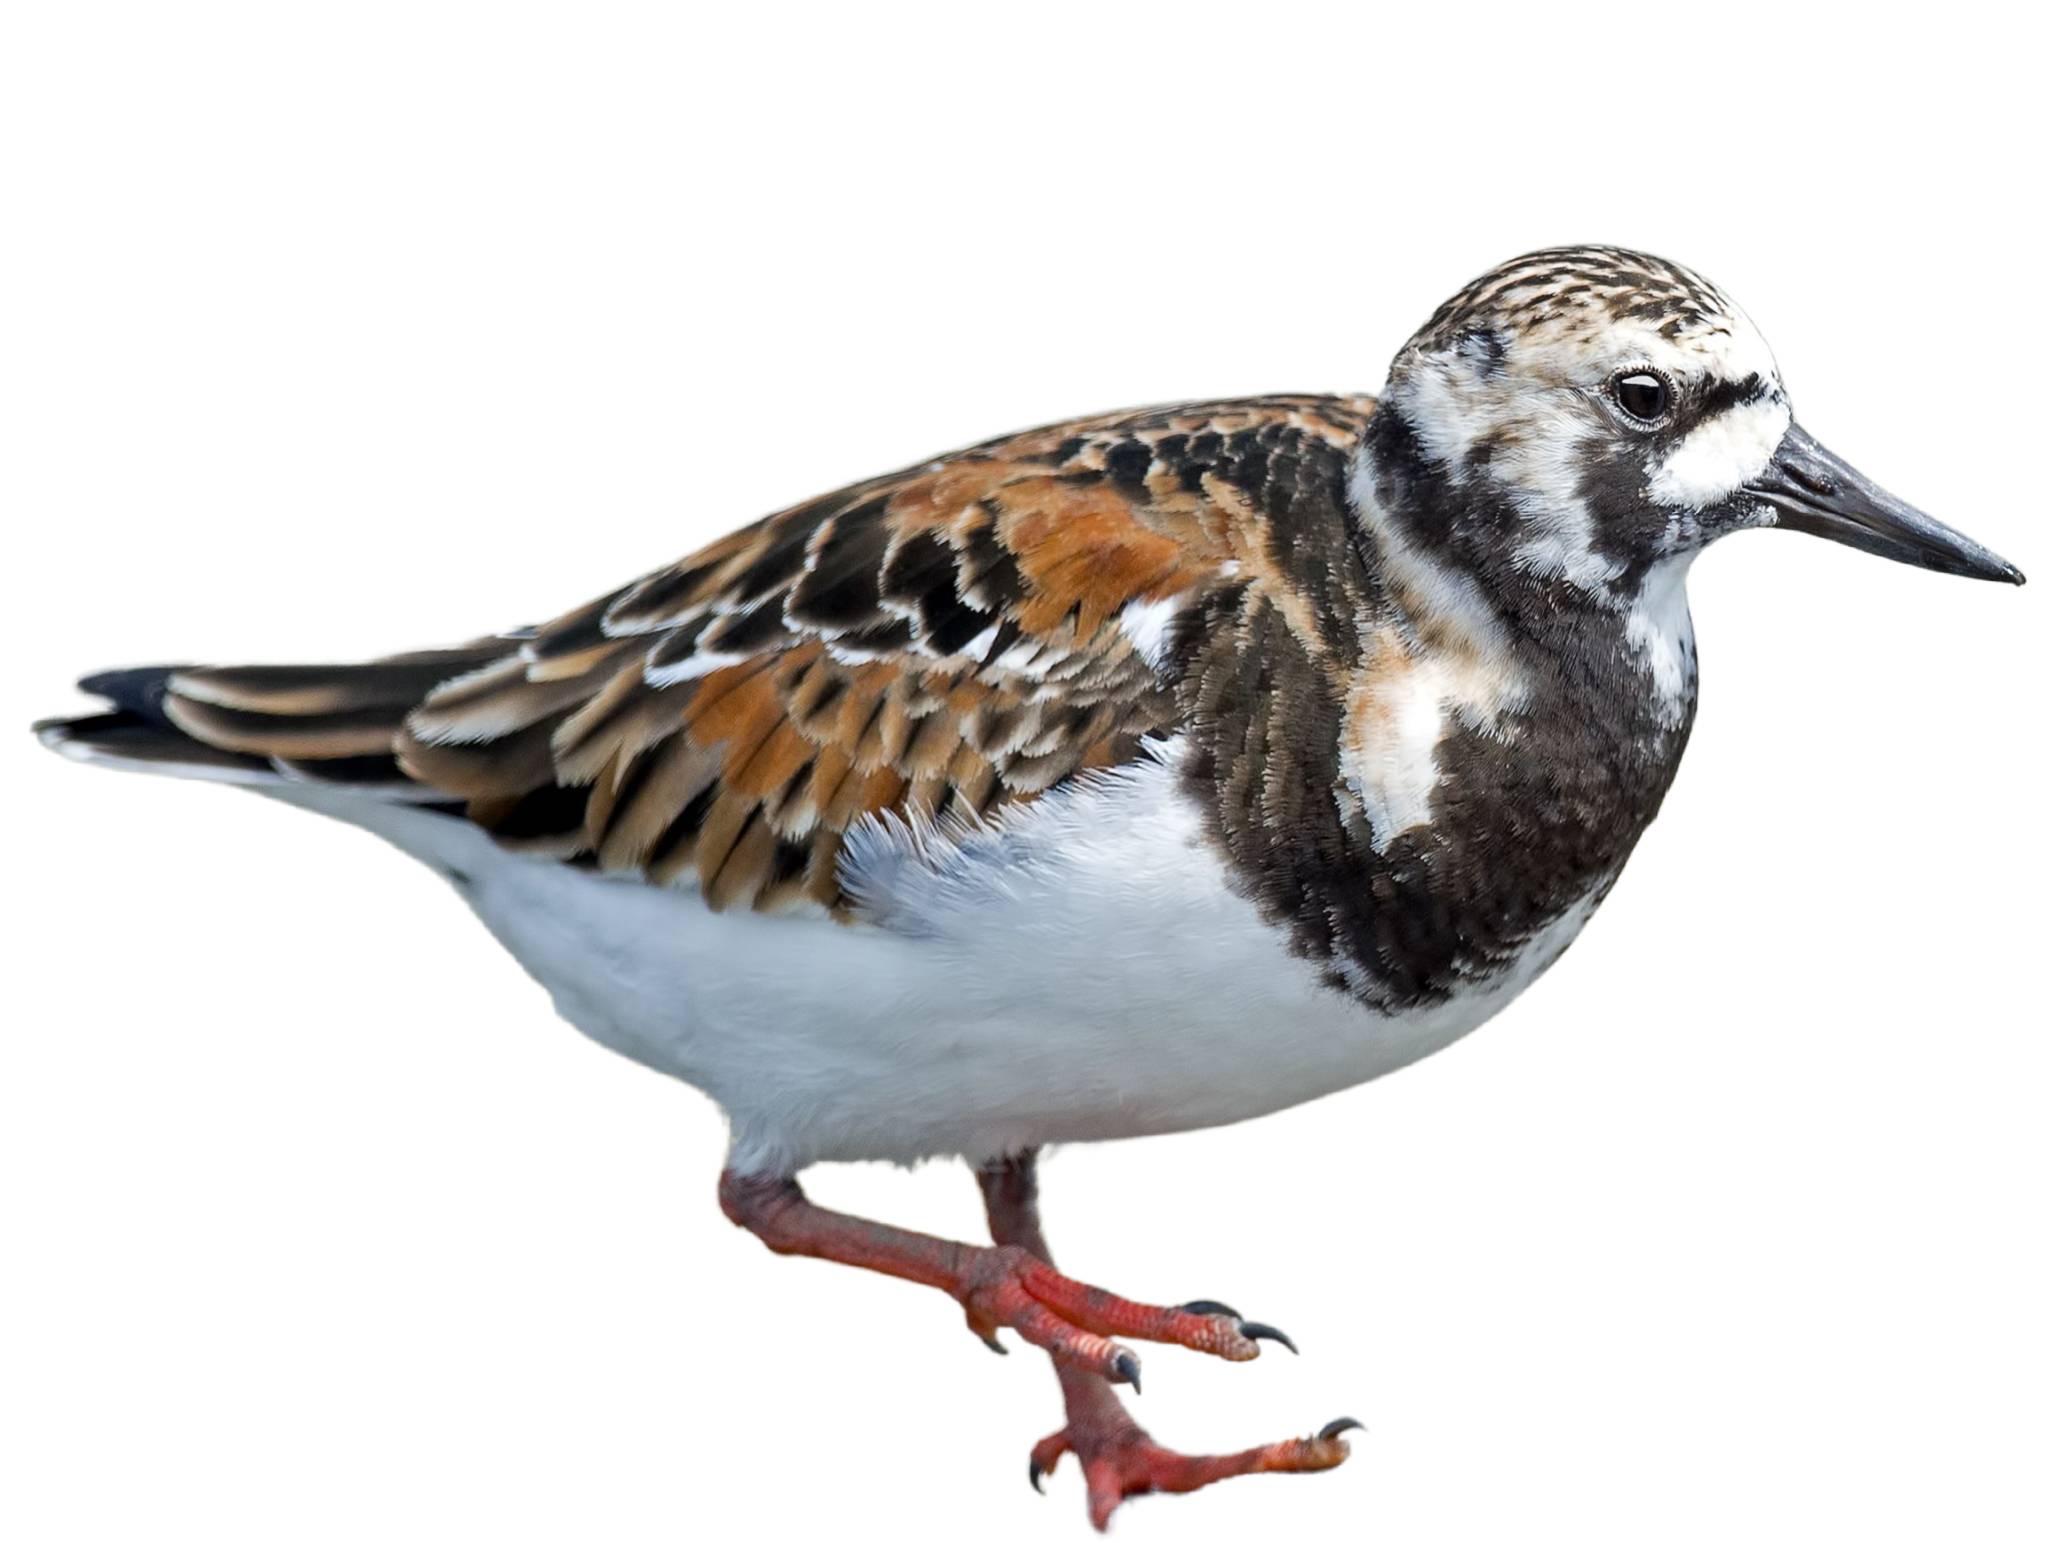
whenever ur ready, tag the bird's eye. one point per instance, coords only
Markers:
(1643, 396)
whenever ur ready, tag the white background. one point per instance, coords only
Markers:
(335, 330)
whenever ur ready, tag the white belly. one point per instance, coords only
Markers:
(1081, 972)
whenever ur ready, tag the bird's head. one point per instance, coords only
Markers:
(1576, 417)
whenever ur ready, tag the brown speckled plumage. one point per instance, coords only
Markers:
(936, 642)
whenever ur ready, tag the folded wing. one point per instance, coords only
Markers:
(933, 643)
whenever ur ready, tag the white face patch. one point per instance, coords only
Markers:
(1721, 454)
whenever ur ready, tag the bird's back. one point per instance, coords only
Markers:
(936, 644)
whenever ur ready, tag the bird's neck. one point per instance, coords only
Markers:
(1462, 767)
(1618, 656)
(1507, 740)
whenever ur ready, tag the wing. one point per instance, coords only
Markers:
(941, 641)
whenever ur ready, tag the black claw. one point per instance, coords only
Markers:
(993, 1345)
(1035, 1474)
(1129, 1369)
(1208, 1308)
(1266, 1331)
(1335, 1428)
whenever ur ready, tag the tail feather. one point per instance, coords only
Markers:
(259, 724)
(139, 692)
(141, 743)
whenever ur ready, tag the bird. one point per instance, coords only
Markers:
(1136, 774)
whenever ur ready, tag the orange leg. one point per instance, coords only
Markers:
(1117, 1454)
(1006, 1286)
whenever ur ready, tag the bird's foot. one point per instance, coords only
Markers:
(1005, 1286)
(1009, 1287)
(1120, 1459)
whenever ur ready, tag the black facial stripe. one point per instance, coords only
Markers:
(1473, 525)
(1626, 526)
(1719, 396)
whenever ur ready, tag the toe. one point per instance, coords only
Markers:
(1045, 1455)
(1325, 1449)
(1105, 1491)
(1251, 1329)
(1073, 1346)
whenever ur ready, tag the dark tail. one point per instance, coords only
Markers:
(140, 735)
(259, 724)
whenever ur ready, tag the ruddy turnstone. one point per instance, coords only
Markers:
(1140, 773)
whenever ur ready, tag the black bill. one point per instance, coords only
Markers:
(1817, 491)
